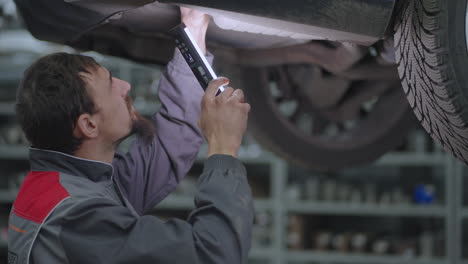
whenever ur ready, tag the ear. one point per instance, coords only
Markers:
(86, 126)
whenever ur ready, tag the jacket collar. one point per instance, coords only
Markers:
(48, 160)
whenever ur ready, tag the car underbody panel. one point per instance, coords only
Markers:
(123, 27)
(358, 21)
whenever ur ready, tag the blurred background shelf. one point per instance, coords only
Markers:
(7, 196)
(464, 213)
(412, 159)
(14, 152)
(335, 257)
(335, 208)
(7, 108)
(261, 253)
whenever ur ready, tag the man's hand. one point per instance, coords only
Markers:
(197, 22)
(223, 118)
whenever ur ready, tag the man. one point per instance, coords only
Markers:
(83, 203)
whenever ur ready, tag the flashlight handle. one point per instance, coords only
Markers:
(194, 56)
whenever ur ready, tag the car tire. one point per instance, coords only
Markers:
(432, 56)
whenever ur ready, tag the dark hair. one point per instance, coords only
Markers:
(51, 97)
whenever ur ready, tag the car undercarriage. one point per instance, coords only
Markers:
(327, 80)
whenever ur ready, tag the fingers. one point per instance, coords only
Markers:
(229, 93)
(238, 94)
(214, 85)
(224, 96)
(246, 107)
(238, 97)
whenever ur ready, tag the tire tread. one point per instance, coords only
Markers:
(422, 58)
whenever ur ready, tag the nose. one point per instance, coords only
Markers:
(124, 87)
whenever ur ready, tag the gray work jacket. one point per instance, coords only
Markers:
(72, 210)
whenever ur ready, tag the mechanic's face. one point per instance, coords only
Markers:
(117, 117)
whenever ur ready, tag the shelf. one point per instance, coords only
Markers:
(334, 257)
(261, 253)
(7, 108)
(149, 108)
(187, 203)
(412, 159)
(14, 152)
(263, 204)
(333, 208)
(464, 214)
(7, 196)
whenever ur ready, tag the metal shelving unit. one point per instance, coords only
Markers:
(281, 207)
(261, 253)
(14, 152)
(321, 257)
(366, 209)
(7, 108)
(412, 159)
(7, 196)
(460, 211)
(464, 213)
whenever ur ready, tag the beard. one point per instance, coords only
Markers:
(142, 127)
